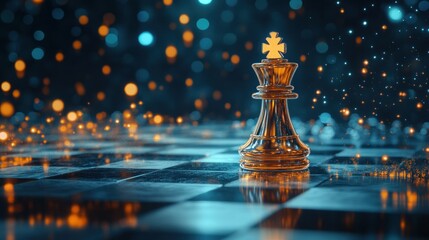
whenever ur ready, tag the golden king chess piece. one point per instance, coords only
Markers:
(274, 144)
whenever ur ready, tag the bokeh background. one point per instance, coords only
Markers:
(192, 59)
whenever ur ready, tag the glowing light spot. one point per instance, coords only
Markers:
(58, 13)
(384, 27)
(302, 58)
(197, 66)
(237, 114)
(3, 136)
(358, 40)
(198, 103)
(179, 120)
(157, 137)
(37, 53)
(203, 24)
(206, 43)
(111, 40)
(59, 57)
(77, 45)
(365, 62)
(158, 119)
(188, 37)
(103, 30)
(168, 2)
(83, 20)
(217, 95)
(80, 88)
(57, 105)
(145, 38)
(8, 188)
(151, 85)
(5, 86)
(6, 109)
(39, 35)
(20, 65)
(189, 82)
(384, 158)
(171, 51)
(322, 47)
(143, 16)
(295, 4)
(184, 19)
(248, 45)
(395, 14)
(320, 69)
(72, 116)
(16, 93)
(227, 106)
(205, 2)
(106, 70)
(364, 71)
(345, 112)
(101, 96)
(235, 59)
(419, 105)
(131, 89)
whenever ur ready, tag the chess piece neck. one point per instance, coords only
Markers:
(275, 76)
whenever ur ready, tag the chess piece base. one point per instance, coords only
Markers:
(285, 153)
(258, 165)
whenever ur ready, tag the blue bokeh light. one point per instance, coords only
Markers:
(206, 43)
(227, 16)
(205, 2)
(111, 40)
(322, 47)
(39, 35)
(58, 13)
(37, 53)
(295, 4)
(143, 16)
(146, 38)
(423, 6)
(203, 24)
(197, 66)
(395, 14)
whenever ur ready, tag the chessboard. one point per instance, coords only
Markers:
(184, 182)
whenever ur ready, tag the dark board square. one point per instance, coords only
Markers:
(169, 157)
(250, 194)
(206, 166)
(188, 177)
(103, 174)
(384, 224)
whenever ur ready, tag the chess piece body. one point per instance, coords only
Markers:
(274, 144)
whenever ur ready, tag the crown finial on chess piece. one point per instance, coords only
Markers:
(275, 48)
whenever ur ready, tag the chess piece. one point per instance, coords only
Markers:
(274, 144)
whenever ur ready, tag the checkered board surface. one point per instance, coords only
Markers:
(185, 183)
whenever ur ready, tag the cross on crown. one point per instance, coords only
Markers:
(274, 47)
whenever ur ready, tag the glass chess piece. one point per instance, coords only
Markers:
(274, 144)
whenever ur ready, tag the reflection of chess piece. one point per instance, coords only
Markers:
(269, 187)
(274, 144)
